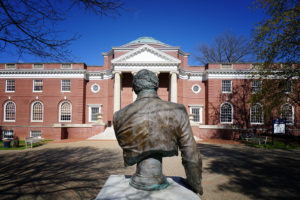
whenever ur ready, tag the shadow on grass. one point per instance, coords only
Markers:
(256, 173)
(62, 173)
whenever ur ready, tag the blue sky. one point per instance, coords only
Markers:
(183, 23)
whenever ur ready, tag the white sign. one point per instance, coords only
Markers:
(279, 128)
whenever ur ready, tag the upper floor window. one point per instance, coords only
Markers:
(37, 85)
(226, 86)
(287, 113)
(65, 85)
(196, 111)
(256, 114)
(66, 66)
(196, 88)
(65, 112)
(10, 86)
(10, 111)
(10, 66)
(38, 66)
(288, 86)
(226, 66)
(226, 112)
(256, 85)
(37, 112)
(7, 134)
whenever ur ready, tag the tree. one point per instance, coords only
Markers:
(30, 26)
(226, 48)
(276, 40)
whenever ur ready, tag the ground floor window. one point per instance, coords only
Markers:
(256, 114)
(226, 112)
(7, 134)
(196, 111)
(94, 111)
(287, 113)
(36, 134)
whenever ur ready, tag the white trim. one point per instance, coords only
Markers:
(90, 110)
(92, 88)
(262, 117)
(196, 92)
(31, 112)
(59, 113)
(231, 113)
(4, 112)
(6, 86)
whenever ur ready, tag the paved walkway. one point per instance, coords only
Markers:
(78, 170)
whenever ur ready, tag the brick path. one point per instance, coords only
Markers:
(78, 170)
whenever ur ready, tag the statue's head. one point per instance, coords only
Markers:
(145, 80)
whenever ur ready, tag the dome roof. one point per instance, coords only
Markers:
(146, 40)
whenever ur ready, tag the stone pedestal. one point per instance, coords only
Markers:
(117, 188)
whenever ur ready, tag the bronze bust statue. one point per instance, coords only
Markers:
(149, 129)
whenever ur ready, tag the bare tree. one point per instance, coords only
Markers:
(226, 48)
(30, 26)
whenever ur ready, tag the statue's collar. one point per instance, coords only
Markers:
(147, 94)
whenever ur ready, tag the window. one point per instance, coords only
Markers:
(196, 111)
(36, 134)
(226, 112)
(9, 111)
(288, 86)
(196, 88)
(37, 112)
(7, 134)
(38, 66)
(10, 66)
(65, 85)
(94, 110)
(65, 112)
(256, 85)
(287, 113)
(226, 66)
(256, 114)
(226, 86)
(10, 85)
(95, 88)
(66, 66)
(37, 85)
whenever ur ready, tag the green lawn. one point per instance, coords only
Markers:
(276, 145)
(22, 145)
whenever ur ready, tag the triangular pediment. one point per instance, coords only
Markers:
(145, 54)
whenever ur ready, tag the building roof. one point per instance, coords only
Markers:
(145, 40)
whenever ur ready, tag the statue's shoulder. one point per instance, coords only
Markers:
(175, 106)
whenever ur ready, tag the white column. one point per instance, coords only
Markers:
(174, 87)
(117, 91)
(134, 96)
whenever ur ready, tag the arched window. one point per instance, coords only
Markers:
(287, 113)
(10, 111)
(37, 111)
(256, 114)
(226, 112)
(65, 112)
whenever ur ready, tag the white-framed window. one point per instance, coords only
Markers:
(37, 85)
(287, 113)
(36, 133)
(10, 66)
(10, 85)
(288, 86)
(196, 111)
(66, 66)
(95, 88)
(7, 134)
(226, 113)
(226, 66)
(37, 111)
(256, 114)
(65, 111)
(10, 111)
(226, 86)
(94, 110)
(256, 86)
(38, 66)
(66, 85)
(196, 88)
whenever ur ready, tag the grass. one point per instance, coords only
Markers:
(23, 146)
(276, 145)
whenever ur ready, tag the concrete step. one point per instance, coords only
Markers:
(108, 134)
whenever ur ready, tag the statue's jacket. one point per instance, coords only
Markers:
(150, 126)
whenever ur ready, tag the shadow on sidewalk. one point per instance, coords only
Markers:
(62, 173)
(257, 173)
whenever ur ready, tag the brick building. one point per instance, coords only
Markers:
(62, 100)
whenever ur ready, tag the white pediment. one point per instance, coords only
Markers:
(145, 54)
